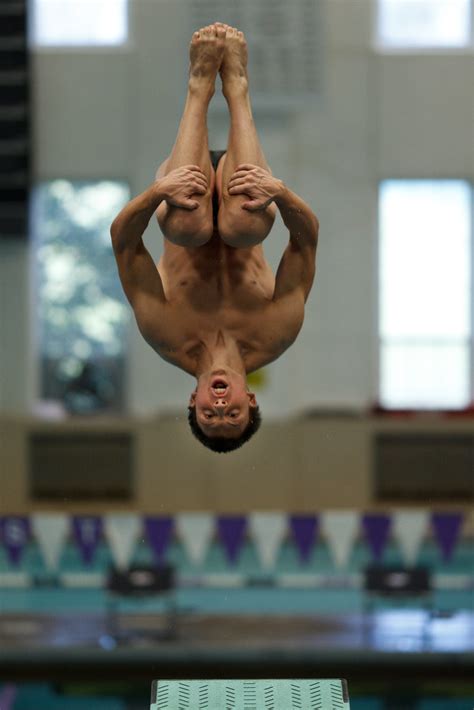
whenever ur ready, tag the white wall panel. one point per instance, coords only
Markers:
(425, 120)
(84, 114)
(348, 24)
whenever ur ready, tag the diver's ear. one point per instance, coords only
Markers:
(252, 400)
(192, 399)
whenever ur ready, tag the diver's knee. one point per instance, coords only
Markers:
(188, 235)
(186, 227)
(240, 228)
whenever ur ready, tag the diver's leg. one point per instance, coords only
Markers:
(194, 227)
(239, 227)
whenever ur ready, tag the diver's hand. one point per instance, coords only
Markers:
(180, 184)
(257, 183)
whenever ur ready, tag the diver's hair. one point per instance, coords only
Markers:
(221, 444)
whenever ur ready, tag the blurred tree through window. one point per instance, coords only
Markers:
(81, 313)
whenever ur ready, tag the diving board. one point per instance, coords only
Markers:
(280, 694)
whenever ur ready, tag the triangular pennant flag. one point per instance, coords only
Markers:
(87, 532)
(15, 533)
(158, 533)
(231, 529)
(340, 528)
(409, 528)
(50, 531)
(305, 530)
(268, 530)
(377, 528)
(122, 531)
(195, 531)
(446, 528)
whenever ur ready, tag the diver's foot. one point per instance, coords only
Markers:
(206, 52)
(233, 69)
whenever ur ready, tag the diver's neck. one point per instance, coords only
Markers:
(220, 352)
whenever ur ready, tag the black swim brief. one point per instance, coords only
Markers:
(215, 156)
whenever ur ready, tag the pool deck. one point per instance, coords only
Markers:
(385, 643)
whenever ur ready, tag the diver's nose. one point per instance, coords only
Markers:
(220, 404)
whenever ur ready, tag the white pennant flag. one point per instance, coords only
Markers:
(121, 531)
(50, 531)
(268, 530)
(340, 528)
(196, 531)
(409, 528)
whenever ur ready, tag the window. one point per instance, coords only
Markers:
(79, 22)
(81, 313)
(424, 23)
(425, 320)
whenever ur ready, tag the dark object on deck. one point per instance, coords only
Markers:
(397, 581)
(140, 583)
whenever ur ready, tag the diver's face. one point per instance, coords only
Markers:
(222, 404)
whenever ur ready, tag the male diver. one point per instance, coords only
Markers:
(212, 306)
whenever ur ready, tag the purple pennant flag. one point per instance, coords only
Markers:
(7, 696)
(231, 530)
(305, 530)
(377, 528)
(87, 532)
(446, 527)
(15, 530)
(158, 532)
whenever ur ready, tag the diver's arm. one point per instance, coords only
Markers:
(177, 188)
(139, 276)
(298, 217)
(263, 188)
(297, 267)
(128, 227)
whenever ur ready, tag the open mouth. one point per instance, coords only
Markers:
(219, 386)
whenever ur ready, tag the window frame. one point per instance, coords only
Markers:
(378, 339)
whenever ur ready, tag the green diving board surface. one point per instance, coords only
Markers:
(281, 694)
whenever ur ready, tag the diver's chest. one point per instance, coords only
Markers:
(218, 294)
(203, 315)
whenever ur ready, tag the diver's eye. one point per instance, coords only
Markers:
(208, 415)
(234, 414)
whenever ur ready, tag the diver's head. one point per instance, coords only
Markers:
(223, 414)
